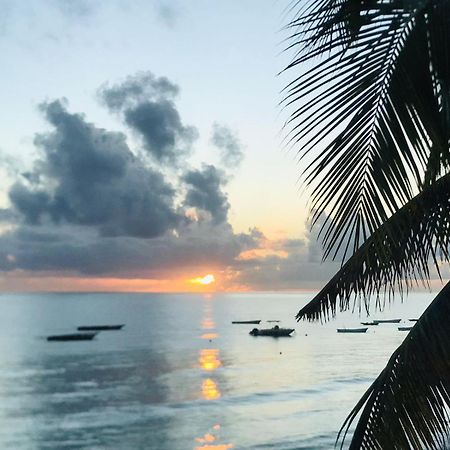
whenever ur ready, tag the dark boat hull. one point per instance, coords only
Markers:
(351, 330)
(388, 321)
(100, 327)
(369, 324)
(247, 322)
(404, 328)
(280, 332)
(72, 337)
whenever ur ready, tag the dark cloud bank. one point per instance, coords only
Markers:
(93, 206)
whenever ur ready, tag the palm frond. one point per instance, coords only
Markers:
(407, 405)
(398, 253)
(373, 109)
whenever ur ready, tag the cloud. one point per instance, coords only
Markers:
(88, 176)
(205, 192)
(147, 106)
(167, 13)
(230, 147)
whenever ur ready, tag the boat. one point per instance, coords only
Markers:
(276, 331)
(406, 328)
(387, 320)
(247, 322)
(271, 321)
(369, 324)
(352, 330)
(72, 337)
(413, 320)
(100, 327)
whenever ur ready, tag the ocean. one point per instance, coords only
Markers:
(180, 375)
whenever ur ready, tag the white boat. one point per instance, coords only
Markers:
(276, 331)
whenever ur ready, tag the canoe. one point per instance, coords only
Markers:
(100, 327)
(247, 322)
(352, 330)
(387, 320)
(274, 332)
(369, 324)
(407, 328)
(72, 337)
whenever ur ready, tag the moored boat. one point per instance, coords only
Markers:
(352, 330)
(72, 337)
(276, 331)
(100, 327)
(369, 324)
(247, 322)
(387, 320)
(413, 320)
(406, 328)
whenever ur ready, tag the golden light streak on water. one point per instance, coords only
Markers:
(209, 359)
(210, 391)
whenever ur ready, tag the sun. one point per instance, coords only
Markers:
(207, 279)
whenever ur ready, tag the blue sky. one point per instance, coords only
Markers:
(222, 59)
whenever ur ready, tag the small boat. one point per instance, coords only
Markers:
(387, 320)
(407, 328)
(413, 320)
(72, 337)
(276, 331)
(272, 321)
(247, 322)
(100, 327)
(352, 330)
(369, 324)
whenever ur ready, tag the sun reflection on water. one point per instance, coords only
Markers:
(209, 359)
(210, 391)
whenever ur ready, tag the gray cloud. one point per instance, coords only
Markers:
(89, 176)
(229, 145)
(80, 250)
(166, 11)
(205, 192)
(147, 106)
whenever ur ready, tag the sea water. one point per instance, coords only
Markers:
(179, 375)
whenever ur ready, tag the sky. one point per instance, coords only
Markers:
(141, 148)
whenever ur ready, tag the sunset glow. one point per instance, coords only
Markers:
(207, 279)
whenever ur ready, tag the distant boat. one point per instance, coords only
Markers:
(72, 337)
(387, 320)
(276, 331)
(352, 330)
(407, 328)
(270, 321)
(247, 322)
(413, 320)
(369, 324)
(100, 327)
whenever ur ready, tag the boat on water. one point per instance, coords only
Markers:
(276, 331)
(72, 337)
(352, 330)
(406, 328)
(247, 322)
(413, 320)
(369, 324)
(272, 321)
(100, 327)
(387, 320)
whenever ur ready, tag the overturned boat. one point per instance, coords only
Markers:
(276, 331)
(72, 337)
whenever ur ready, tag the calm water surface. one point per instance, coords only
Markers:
(179, 375)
